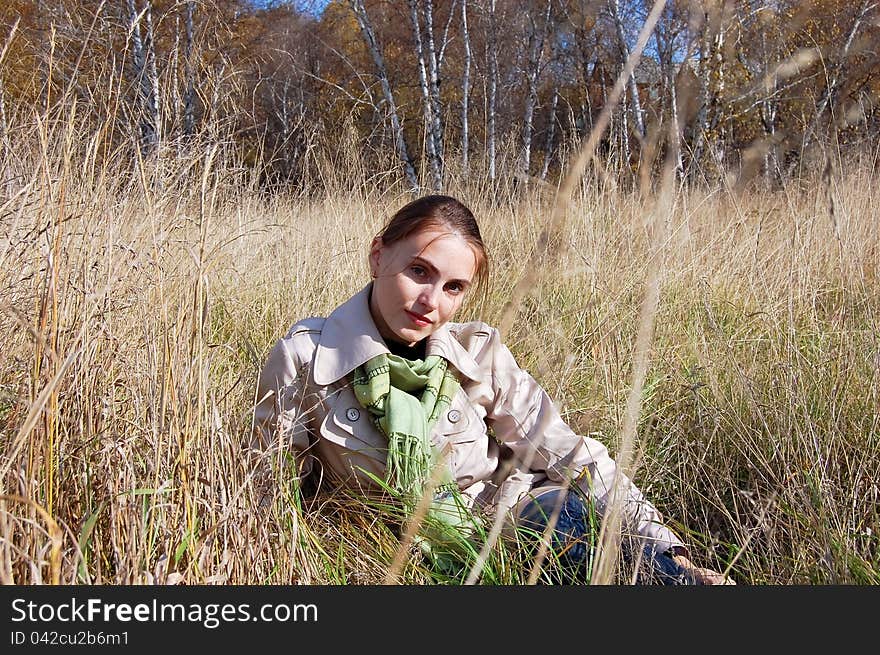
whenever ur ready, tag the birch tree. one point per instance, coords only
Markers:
(465, 86)
(188, 72)
(551, 132)
(836, 75)
(492, 59)
(582, 21)
(537, 32)
(759, 62)
(633, 89)
(708, 124)
(4, 127)
(429, 80)
(435, 61)
(667, 37)
(145, 74)
(372, 43)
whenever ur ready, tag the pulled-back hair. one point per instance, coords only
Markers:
(439, 211)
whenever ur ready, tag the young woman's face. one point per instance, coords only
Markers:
(419, 283)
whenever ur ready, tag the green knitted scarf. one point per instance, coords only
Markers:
(405, 398)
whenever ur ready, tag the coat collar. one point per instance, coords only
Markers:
(350, 338)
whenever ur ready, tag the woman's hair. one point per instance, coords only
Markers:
(439, 211)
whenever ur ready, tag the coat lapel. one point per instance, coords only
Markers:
(350, 337)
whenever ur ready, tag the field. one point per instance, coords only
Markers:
(727, 338)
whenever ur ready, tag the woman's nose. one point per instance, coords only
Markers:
(429, 298)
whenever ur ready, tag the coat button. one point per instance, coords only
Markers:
(454, 415)
(353, 414)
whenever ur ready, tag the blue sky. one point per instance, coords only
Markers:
(310, 6)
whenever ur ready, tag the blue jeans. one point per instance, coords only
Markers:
(573, 542)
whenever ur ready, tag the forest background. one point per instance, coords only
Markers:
(679, 203)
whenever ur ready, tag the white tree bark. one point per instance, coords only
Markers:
(4, 128)
(711, 79)
(145, 76)
(152, 97)
(286, 125)
(666, 50)
(551, 133)
(189, 72)
(638, 119)
(492, 56)
(465, 86)
(434, 72)
(175, 82)
(585, 50)
(717, 141)
(429, 106)
(833, 84)
(537, 38)
(372, 43)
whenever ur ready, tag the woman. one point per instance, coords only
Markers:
(387, 391)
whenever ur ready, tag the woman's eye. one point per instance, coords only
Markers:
(454, 288)
(418, 270)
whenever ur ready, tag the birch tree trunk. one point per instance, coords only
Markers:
(668, 71)
(587, 66)
(372, 44)
(492, 55)
(4, 129)
(623, 132)
(551, 133)
(465, 87)
(717, 140)
(175, 82)
(145, 78)
(152, 97)
(286, 128)
(768, 111)
(428, 104)
(711, 78)
(537, 38)
(4, 126)
(769, 108)
(434, 72)
(638, 119)
(833, 84)
(188, 73)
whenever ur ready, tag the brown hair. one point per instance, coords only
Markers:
(439, 211)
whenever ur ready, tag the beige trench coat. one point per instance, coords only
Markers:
(500, 421)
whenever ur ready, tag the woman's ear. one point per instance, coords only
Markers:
(375, 256)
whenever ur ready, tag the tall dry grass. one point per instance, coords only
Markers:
(137, 304)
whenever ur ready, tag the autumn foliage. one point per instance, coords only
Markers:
(754, 88)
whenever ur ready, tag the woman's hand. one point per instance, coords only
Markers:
(703, 576)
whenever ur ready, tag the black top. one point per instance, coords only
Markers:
(407, 352)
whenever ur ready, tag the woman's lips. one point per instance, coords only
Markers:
(418, 319)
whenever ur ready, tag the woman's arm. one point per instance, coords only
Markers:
(281, 410)
(525, 419)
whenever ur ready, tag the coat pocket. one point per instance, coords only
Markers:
(459, 423)
(462, 432)
(347, 424)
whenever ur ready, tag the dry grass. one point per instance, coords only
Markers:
(135, 317)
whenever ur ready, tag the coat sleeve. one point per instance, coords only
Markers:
(524, 418)
(281, 413)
